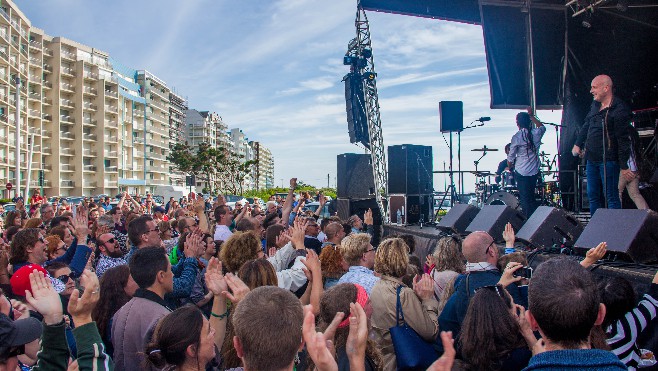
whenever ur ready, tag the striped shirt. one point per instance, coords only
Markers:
(623, 334)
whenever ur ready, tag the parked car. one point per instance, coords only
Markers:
(232, 199)
(252, 202)
(10, 206)
(313, 206)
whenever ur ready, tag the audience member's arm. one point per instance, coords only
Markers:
(91, 350)
(318, 212)
(122, 201)
(594, 255)
(4, 267)
(524, 326)
(199, 210)
(190, 268)
(312, 263)
(507, 278)
(421, 310)
(287, 205)
(219, 313)
(508, 235)
(368, 222)
(316, 342)
(448, 358)
(54, 352)
(357, 338)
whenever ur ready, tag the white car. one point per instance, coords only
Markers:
(231, 200)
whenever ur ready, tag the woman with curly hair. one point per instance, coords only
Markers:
(13, 218)
(446, 263)
(494, 332)
(332, 264)
(56, 247)
(33, 223)
(238, 249)
(116, 289)
(338, 299)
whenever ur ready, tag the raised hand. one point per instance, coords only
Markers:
(81, 226)
(595, 254)
(367, 217)
(215, 281)
(508, 274)
(283, 238)
(293, 183)
(298, 235)
(423, 286)
(272, 250)
(508, 235)
(193, 247)
(80, 307)
(44, 299)
(312, 262)
(316, 343)
(448, 358)
(238, 288)
(357, 339)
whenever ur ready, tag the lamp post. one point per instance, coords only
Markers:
(17, 121)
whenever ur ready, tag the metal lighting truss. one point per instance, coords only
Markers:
(367, 71)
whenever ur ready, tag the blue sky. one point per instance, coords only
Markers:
(274, 69)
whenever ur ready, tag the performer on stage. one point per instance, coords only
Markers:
(607, 145)
(503, 165)
(524, 156)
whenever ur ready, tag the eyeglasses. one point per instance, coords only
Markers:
(66, 277)
(153, 230)
(42, 240)
(489, 246)
(371, 249)
(111, 240)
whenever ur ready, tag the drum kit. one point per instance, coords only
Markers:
(506, 192)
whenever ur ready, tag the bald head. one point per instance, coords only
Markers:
(475, 247)
(601, 89)
(333, 231)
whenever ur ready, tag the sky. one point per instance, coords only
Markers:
(274, 69)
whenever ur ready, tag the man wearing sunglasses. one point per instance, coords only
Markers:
(111, 254)
(481, 253)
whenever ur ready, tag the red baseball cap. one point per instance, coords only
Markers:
(20, 280)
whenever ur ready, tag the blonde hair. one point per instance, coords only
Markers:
(354, 246)
(33, 223)
(447, 255)
(392, 258)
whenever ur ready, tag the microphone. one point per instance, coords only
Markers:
(483, 119)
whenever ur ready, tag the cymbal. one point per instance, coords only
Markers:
(481, 173)
(484, 149)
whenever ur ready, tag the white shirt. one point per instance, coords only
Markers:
(525, 162)
(222, 233)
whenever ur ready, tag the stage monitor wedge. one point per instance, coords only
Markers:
(548, 226)
(410, 169)
(633, 233)
(458, 218)
(452, 116)
(492, 219)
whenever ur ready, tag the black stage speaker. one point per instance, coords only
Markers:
(357, 123)
(355, 176)
(548, 226)
(343, 208)
(452, 116)
(410, 169)
(458, 218)
(492, 219)
(633, 233)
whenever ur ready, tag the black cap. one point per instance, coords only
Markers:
(19, 332)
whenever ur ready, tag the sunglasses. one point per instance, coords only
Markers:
(66, 277)
(111, 240)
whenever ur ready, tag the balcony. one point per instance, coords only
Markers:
(47, 84)
(67, 183)
(47, 151)
(88, 184)
(67, 87)
(67, 167)
(138, 140)
(89, 168)
(67, 151)
(67, 135)
(35, 44)
(67, 119)
(90, 90)
(35, 183)
(67, 103)
(111, 94)
(110, 153)
(47, 101)
(35, 60)
(47, 52)
(68, 55)
(34, 95)
(34, 113)
(111, 169)
(112, 109)
(47, 68)
(90, 106)
(89, 153)
(68, 71)
(89, 121)
(88, 75)
(3, 55)
(111, 124)
(111, 184)
(89, 136)
(111, 138)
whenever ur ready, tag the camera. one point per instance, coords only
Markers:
(525, 272)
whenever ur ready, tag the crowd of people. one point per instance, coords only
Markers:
(207, 287)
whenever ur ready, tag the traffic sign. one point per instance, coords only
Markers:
(9, 186)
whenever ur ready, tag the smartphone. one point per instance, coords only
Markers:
(525, 272)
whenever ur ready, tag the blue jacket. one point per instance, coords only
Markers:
(453, 313)
(575, 359)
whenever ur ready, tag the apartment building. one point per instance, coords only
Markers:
(263, 171)
(178, 106)
(240, 144)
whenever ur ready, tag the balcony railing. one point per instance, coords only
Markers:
(67, 151)
(89, 167)
(66, 119)
(67, 183)
(68, 71)
(111, 169)
(68, 55)
(89, 153)
(111, 138)
(35, 44)
(88, 121)
(88, 184)
(111, 93)
(90, 106)
(111, 184)
(90, 75)
(110, 153)
(66, 86)
(112, 109)
(66, 167)
(67, 102)
(67, 135)
(90, 90)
